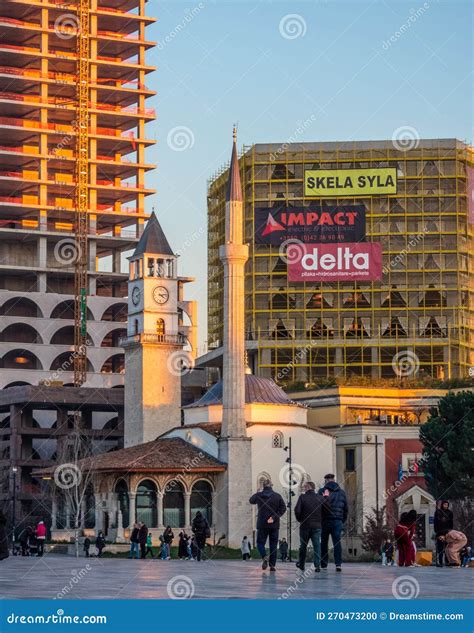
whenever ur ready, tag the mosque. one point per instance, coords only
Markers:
(210, 455)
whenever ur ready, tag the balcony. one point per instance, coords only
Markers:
(155, 339)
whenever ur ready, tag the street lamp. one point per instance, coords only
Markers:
(291, 494)
(14, 472)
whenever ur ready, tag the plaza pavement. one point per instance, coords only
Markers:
(55, 576)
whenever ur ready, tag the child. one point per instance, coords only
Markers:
(149, 544)
(283, 550)
(245, 548)
(87, 545)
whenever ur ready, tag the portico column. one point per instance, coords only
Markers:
(98, 511)
(187, 510)
(159, 499)
(83, 513)
(213, 506)
(133, 508)
(54, 514)
(68, 515)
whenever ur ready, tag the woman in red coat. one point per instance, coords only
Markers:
(404, 533)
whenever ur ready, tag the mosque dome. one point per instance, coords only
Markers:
(257, 391)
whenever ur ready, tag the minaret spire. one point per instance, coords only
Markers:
(234, 254)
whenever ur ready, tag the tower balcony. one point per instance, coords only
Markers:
(154, 339)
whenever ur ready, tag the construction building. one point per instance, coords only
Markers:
(39, 128)
(416, 321)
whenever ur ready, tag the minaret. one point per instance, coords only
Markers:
(234, 445)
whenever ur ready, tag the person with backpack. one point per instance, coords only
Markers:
(166, 541)
(142, 539)
(201, 531)
(134, 542)
(100, 543)
(271, 508)
(443, 521)
(149, 544)
(86, 546)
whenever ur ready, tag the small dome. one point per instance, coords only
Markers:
(257, 390)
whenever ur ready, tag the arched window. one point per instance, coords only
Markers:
(201, 500)
(173, 504)
(160, 327)
(278, 439)
(146, 503)
(121, 489)
(135, 326)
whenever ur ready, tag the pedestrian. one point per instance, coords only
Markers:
(40, 537)
(134, 542)
(149, 544)
(308, 513)
(387, 552)
(465, 555)
(245, 548)
(283, 545)
(443, 522)
(86, 546)
(455, 541)
(333, 517)
(193, 548)
(25, 538)
(142, 536)
(404, 540)
(100, 543)
(201, 531)
(183, 546)
(3, 537)
(168, 537)
(271, 508)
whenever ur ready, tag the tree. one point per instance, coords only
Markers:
(376, 530)
(447, 438)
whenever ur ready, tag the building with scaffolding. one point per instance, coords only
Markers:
(38, 134)
(416, 321)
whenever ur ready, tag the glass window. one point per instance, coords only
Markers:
(350, 459)
(146, 503)
(173, 505)
(201, 500)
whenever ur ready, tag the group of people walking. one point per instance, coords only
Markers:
(320, 514)
(189, 547)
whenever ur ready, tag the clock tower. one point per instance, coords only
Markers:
(154, 347)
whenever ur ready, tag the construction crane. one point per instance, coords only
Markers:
(81, 194)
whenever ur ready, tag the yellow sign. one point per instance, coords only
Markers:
(338, 183)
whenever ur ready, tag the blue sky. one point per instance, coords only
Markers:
(348, 69)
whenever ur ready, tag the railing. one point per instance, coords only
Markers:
(146, 337)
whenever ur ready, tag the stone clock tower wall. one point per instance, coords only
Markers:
(155, 353)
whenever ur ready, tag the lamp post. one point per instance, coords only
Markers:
(14, 472)
(290, 493)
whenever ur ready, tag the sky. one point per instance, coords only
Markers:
(316, 70)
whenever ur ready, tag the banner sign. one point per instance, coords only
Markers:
(312, 224)
(334, 183)
(360, 261)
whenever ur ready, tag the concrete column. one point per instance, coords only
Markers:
(187, 510)
(54, 514)
(132, 496)
(82, 523)
(338, 361)
(99, 515)
(68, 515)
(214, 507)
(375, 362)
(159, 497)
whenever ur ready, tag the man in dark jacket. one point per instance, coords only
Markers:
(134, 542)
(270, 508)
(443, 522)
(308, 513)
(142, 534)
(3, 537)
(334, 515)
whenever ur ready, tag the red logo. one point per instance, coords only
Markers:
(272, 226)
(360, 261)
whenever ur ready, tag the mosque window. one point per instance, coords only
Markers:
(169, 268)
(278, 439)
(151, 267)
(161, 268)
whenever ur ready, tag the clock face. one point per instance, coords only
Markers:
(160, 295)
(136, 294)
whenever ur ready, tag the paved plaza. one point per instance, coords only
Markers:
(55, 576)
